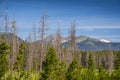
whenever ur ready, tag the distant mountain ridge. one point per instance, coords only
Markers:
(87, 43)
(82, 42)
(10, 36)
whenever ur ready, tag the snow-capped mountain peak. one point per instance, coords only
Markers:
(106, 41)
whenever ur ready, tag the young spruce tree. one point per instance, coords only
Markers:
(73, 72)
(50, 66)
(117, 60)
(116, 73)
(4, 51)
(20, 62)
(91, 65)
(102, 73)
(91, 68)
(62, 71)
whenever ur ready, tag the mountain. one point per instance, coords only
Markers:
(87, 43)
(10, 36)
(82, 42)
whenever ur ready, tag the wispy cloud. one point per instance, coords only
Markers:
(113, 38)
(96, 27)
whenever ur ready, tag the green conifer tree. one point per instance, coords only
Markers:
(91, 65)
(62, 71)
(50, 66)
(102, 73)
(20, 62)
(4, 51)
(115, 75)
(117, 60)
(73, 72)
(90, 72)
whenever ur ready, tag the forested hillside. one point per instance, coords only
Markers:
(57, 63)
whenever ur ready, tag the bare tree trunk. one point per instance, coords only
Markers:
(58, 45)
(73, 37)
(0, 29)
(6, 23)
(109, 60)
(35, 49)
(72, 41)
(29, 54)
(14, 45)
(42, 31)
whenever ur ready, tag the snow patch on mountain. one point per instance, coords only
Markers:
(106, 41)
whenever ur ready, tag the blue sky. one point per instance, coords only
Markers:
(95, 18)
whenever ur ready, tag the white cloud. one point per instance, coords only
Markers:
(97, 26)
(112, 38)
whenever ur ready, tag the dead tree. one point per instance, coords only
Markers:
(34, 32)
(42, 32)
(0, 29)
(35, 49)
(73, 36)
(14, 43)
(109, 59)
(58, 43)
(73, 39)
(71, 46)
(29, 53)
(6, 23)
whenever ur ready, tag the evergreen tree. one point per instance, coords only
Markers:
(115, 75)
(84, 58)
(35, 65)
(62, 71)
(73, 72)
(102, 73)
(4, 51)
(50, 66)
(20, 62)
(117, 60)
(91, 65)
